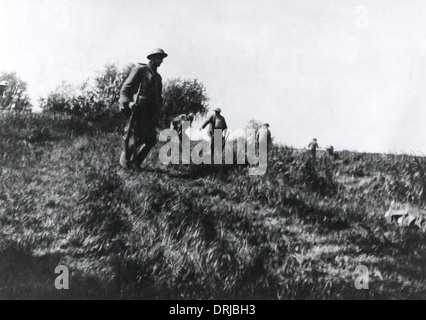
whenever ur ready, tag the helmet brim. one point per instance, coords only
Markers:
(162, 55)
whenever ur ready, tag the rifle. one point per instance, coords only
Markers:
(131, 124)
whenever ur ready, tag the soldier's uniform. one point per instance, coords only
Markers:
(177, 123)
(313, 145)
(140, 102)
(264, 134)
(216, 121)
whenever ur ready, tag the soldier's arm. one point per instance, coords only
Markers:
(157, 113)
(224, 122)
(130, 86)
(210, 119)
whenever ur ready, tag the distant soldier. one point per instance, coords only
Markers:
(264, 135)
(177, 123)
(330, 151)
(313, 145)
(140, 102)
(3, 86)
(216, 121)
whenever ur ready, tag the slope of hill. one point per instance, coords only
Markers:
(199, 232)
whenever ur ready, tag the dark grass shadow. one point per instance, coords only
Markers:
(24, 276)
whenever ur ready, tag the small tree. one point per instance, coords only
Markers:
(254, 124)
(87, 98)
(109, 82)
(15, 96)
(183, 96)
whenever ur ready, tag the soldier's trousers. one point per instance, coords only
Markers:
(139, 138)
(313, 155)
(212, 144)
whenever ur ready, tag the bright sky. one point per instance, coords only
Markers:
(351, 73)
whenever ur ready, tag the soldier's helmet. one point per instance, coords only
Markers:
(191, 116)
(4, 83)
(159, 52)
(266, 125)
(217, 110)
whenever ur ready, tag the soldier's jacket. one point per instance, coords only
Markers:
(149, 99)
(313, 145)
(215, 122)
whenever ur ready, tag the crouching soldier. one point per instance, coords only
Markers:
(177, 123)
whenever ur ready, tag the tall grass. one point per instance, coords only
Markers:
(196, 232)
(407, 178)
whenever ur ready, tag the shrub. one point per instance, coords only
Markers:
(183, 96)
(15, 97)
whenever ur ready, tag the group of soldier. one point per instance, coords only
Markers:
(140, 103)
(313, 146)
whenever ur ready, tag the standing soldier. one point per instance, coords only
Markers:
(264, 134)
(313, 145)
(216, 121)
(177, 123)
(140, 102)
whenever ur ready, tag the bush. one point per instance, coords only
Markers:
(99, 102)
(183, 96)
(16, 98)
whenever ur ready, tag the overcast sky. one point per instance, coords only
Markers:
(350, 73)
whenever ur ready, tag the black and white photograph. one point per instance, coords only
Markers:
(212, 154)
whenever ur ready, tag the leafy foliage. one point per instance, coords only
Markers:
(88, 99)
(183, 96)
(15, 96)
(100, 100)
(108, 83)
(254, 124)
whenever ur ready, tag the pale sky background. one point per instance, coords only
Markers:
(350, 73)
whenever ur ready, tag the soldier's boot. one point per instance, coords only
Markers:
(123, 161)
(143, 153)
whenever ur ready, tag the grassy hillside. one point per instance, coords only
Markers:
(199, 232)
